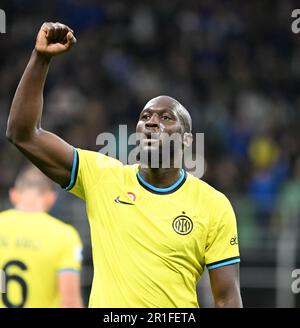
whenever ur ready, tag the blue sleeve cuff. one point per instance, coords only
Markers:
(229, 261)
(74, 170)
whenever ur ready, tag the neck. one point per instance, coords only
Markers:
(29, 207)
(160, 177)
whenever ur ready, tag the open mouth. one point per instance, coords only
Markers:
(151, 141)
(152, 136)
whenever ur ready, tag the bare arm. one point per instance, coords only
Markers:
(69, 290)
(47, 151)
(225, 285)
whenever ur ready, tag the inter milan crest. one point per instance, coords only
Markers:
(182, 224)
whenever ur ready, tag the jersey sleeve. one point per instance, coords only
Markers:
(222, 242)
(70, 252)
(88, 169)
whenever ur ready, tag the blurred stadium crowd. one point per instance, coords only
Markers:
(234, 65)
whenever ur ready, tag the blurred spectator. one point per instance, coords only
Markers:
(289, 204)
(269, 173)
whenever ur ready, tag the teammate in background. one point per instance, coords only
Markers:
(40, 255)
(153, 230)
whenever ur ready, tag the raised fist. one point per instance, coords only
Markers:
(54, 38)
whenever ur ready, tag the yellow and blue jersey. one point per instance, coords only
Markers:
(150, 245)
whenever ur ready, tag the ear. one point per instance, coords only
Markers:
(13, 196)
(50, 198)
(187, 139)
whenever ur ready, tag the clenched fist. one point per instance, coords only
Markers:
(54, 38)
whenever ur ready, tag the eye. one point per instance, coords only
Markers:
(166, 117)
(145, 116)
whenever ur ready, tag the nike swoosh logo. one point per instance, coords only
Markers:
(117, 200)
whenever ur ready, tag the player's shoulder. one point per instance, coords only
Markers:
(13, 216)
(57, 226)
(207, 192)
(97, 159)
(6, 213)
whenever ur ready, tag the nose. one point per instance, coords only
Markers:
(153, 122)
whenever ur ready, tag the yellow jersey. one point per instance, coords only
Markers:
(34, 249)
(150, 245)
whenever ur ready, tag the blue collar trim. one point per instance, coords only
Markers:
(162, 190)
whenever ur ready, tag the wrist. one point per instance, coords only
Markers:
(41, 57)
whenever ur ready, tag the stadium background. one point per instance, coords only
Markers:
(236, 67)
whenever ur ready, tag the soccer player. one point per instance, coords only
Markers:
(39, 255)
(153, 230)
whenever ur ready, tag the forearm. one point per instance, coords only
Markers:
(27, 105)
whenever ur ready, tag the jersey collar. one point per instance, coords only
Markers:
(163, 191)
